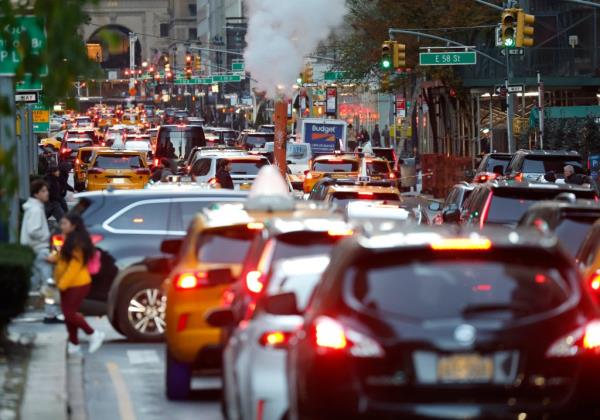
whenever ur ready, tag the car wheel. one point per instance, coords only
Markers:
(141, 311)
(178, 378)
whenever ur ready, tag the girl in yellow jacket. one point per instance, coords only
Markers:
(74, 280)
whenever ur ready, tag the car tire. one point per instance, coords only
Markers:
(141, 311)
(178, 378)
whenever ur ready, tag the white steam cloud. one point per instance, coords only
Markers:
(281, 33)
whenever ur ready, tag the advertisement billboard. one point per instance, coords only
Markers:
(324, 136)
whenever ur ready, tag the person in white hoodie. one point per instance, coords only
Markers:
(36, 234)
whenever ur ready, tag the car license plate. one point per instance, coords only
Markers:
(465, 368)
(118, 180)
(245, 187)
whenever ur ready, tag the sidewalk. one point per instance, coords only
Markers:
(37, 386)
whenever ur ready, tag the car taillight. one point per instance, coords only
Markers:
(365, 194)
(392, 175)
(309, 175)
(330, 335)
(340, 231)
(156, 162)
(65, 150)
(275, 339)
(77, 161)
(583, 339)
(142, 171)
(519, 177)
(595, 280)
(255, 225)
(485, 211)
(95, 171)
(189, 280)
(96, 238)
(461, 244)
(255, 281)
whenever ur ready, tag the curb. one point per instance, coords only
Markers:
(45, 395)
(75, 389)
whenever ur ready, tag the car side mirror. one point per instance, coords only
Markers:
(435, 206)
(171, 246)
(220, 318)
(219, 276)
(451, 215)
(282, 304)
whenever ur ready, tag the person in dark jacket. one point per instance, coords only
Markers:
(223, 176)
(376, 137)
(54, 204)
(571, 177)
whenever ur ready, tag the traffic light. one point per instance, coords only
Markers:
(198, 63)
(399, 56)
(509, 21)
(524, 29)
(308, 74)
(386, 55)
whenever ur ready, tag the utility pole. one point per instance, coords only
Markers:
(541, 108)
(132, 40)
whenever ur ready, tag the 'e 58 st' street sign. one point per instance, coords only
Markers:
(448, 58)
(11, 51)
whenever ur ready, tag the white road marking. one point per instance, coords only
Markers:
(140, 357)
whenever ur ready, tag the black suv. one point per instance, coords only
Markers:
(435, 324)
(505, 202)
(567, 218)
(531, 165)
(128, 228)
(174, 145)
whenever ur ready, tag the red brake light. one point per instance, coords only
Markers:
(365, 194)
(392, 175)
(583, 339)
(96, 238)
(309, 175)
(275, 339)
(255, 282)
(156, 162)
(255, 225)
(486, 209)
(591, 338)
(519, 177)
(340, 231)
(77, 161)
(595, 283)
(329, 334)
(66, 150)
(189, 280)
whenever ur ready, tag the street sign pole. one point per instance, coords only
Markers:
(509, 106)
(541, 108)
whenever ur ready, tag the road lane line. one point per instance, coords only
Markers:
(125, 408)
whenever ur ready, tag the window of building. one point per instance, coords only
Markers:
(164, 30)
(192, 9)
(193, 33)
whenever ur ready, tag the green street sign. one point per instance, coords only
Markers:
(448, 58)
(195, 81)
(27, 84)
(11, 53)
(237, 67)
(41, 118)
(224, 78)
(331, 76)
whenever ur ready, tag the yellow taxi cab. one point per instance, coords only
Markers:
(210, 259)
(129, 119)
(118, 169)
(347, 165)
(341, 195)
(80, 166)
(54, 141)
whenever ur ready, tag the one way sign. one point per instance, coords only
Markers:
(511, 89)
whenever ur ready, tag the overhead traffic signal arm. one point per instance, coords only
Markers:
(524, 29)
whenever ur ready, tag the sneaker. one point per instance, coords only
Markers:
(96, 340)
(73, 349)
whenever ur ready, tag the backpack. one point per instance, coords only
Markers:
(94, 264)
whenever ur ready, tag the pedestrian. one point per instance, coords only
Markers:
(36, 234)
(571, 177)
(364, 136)
(376, 137)
(74, 281)
(351, 138)
(54, 205)
(223, 176)
(386, 136)
(64, 169)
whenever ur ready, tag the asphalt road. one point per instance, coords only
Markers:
(125, 381)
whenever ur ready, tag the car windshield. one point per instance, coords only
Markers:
(177, 143)
(508, 205)
(572, 231)
(227, 246)
(335, 166)
(451, 287)
(303, 244)
(258, 141)
(497, 163)
(377, 167)
(343, 198)
(118, 162)
(543, 164)
(245, 166)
